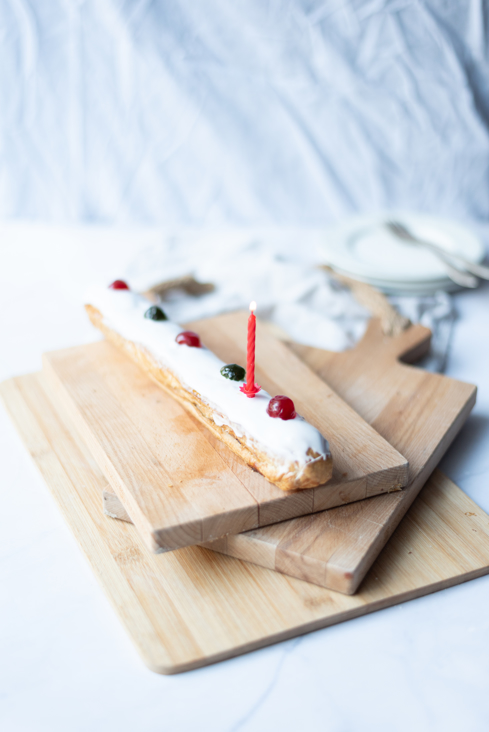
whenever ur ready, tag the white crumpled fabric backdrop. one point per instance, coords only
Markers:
(242, 113)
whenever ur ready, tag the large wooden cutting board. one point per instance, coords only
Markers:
(179, 484)
(418, 412)
(193, 607)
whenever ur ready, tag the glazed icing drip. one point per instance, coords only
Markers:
(198, 369)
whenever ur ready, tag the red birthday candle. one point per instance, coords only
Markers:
(250, 388)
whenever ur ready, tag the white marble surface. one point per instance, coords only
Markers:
(67, 664)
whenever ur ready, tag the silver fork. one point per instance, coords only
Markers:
(461, 277)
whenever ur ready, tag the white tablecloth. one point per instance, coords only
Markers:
(67, 664)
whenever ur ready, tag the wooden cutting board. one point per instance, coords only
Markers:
(416, 411)
(182, 486)
(193, 607)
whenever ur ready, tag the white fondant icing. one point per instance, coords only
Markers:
(199, 369)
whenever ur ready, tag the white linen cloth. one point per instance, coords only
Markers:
(278, 269)
(242, 113)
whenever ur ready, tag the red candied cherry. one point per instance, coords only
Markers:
(188, 338)
(281, 406)
(119, 285)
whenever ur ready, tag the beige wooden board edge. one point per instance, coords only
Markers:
(193, 607)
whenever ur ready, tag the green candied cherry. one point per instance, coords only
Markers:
(233, 371)
(155, 313)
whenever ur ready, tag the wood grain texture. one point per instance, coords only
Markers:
(193, 607)
(179, 484)
(418, 412)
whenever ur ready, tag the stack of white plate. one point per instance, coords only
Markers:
(364, 248)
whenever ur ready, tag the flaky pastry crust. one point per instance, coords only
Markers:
(289, 477)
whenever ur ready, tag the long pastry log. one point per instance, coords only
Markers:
(290, 453)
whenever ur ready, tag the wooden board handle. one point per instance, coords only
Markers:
(408, 346)
(375, 348)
